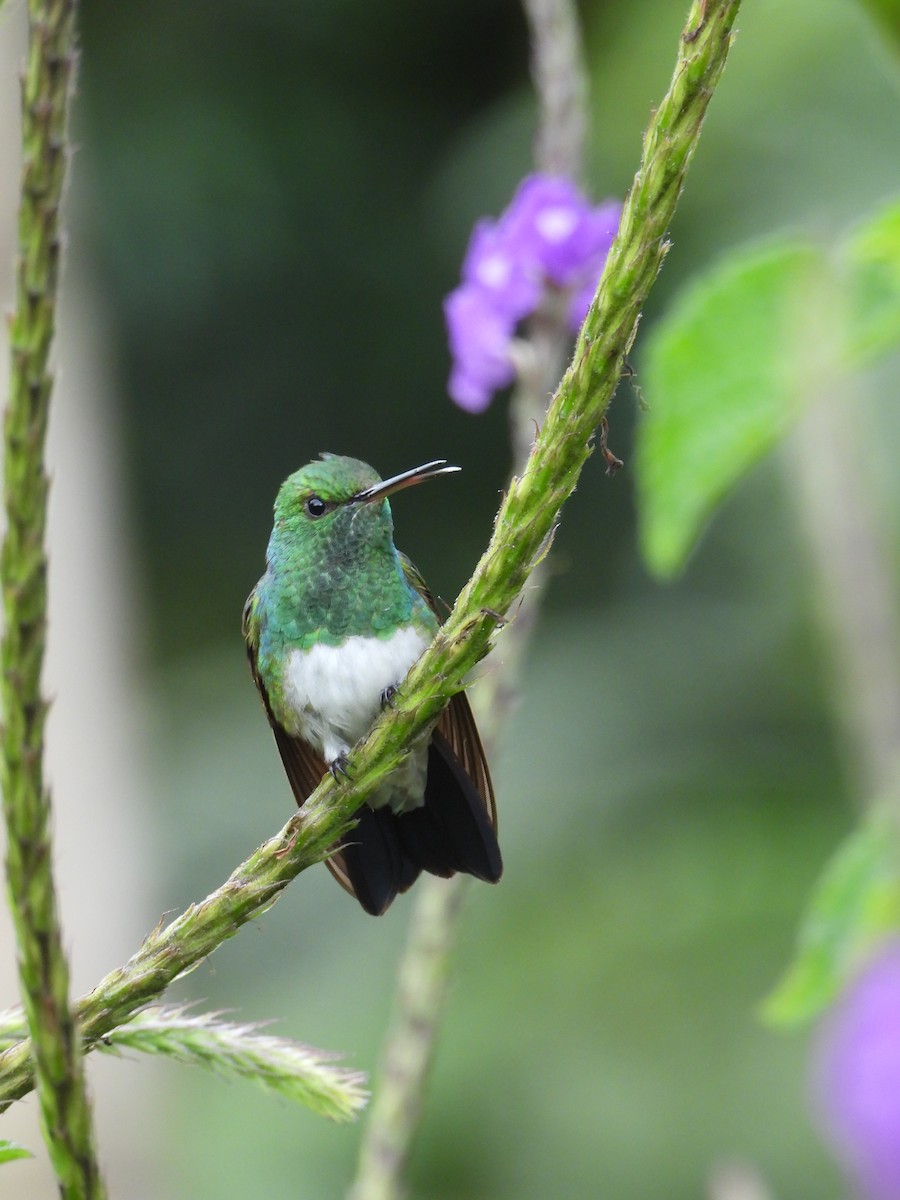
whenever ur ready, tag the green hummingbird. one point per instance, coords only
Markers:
(331, 630)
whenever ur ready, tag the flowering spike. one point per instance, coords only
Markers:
(499, 272)
(480, 335)
(549, 236)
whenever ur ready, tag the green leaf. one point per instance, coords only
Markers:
(855, 902)
(871, 258)
(721, 377)
(10, 1151)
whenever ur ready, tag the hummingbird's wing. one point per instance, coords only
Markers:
(457, 722)
(456, 828)
(304, 768)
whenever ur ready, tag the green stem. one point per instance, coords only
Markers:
(522, 533)
(43, 970)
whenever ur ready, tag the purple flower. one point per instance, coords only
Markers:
(480, 336)
(548, 224)
(857, 1077)
(493, 265)
(549, 236)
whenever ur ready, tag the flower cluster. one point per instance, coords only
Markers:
(858, 1077)
(548, 237)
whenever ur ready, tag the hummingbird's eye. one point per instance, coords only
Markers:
(316, 506)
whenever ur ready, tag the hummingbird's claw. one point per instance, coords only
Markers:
(388, 695)
(338, 767)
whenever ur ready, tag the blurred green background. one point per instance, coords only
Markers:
(271, 199)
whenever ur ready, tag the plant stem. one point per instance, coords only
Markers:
(409, 1046)
(522, 532)
(43, 970)
(561, 84)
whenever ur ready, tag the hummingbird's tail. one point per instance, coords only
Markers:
(452, 831)
(371, 860)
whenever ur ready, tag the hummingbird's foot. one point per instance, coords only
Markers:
(338, 767)
(388, 695)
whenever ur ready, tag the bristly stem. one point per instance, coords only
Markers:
(522, 532)
(398, 1099)
(44, 974)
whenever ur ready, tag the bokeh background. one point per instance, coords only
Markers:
(269, 201)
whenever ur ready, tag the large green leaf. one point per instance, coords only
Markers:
(721, 378)
(871, 258)
(855, 902)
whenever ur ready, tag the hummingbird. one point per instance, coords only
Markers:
(331, 629)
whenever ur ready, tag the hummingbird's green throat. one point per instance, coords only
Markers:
(332, 628)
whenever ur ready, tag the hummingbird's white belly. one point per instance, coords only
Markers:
(335, 693)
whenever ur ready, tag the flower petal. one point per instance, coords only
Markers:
(479, 342)
(493, 265)
(548, 224)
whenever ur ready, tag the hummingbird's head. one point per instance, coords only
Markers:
(338, 506)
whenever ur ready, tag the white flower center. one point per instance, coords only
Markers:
(494, 270)
(555, 224)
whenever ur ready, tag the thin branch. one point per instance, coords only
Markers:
(561, 82)
(43, 969)
(409, 1046)
(523, 527)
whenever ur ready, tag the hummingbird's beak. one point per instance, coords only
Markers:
(387, 487)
